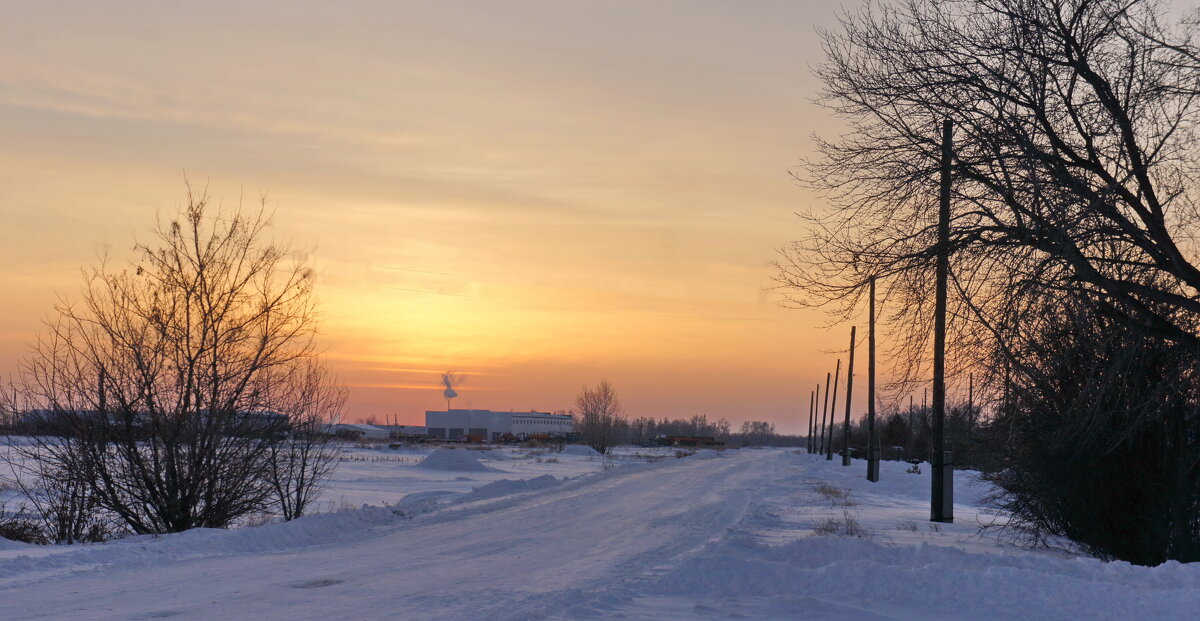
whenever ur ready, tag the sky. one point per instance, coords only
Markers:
(536, 195)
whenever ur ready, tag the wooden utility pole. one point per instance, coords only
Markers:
(824, 414)
(833, 411)
(874, 449)
(816, 404)
(812, 404)
(910, 443)
(849, 394)
(971, 396)
(102, 403)
(941, 500)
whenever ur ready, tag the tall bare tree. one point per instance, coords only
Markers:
(1074, 195)
(1076, 130)
(162, 376)
(599, 416)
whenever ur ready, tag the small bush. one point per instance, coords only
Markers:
(255, 520)
(837, 496)
(846, 526)
(22, 527)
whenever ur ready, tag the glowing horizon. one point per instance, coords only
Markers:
(538, 196)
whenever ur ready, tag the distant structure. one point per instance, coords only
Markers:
(358, 431)
(487, 425)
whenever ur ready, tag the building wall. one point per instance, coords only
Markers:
(530, 424)
(448, 425)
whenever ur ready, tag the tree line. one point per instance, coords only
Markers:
(601, 422)
(1074, 278)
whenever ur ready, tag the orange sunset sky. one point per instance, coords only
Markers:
(536, 195)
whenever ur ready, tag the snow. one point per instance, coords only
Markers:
(555, 536)
(455, 460)
(8, 544)
(580, 450)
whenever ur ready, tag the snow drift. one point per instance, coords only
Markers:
(506, 487)
(453, 460)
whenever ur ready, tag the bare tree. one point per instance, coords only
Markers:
(61, 500)
(599, 417)
(757, 432)
(162, 375)
(304, 458)
(1073, 171)
(1074, 194)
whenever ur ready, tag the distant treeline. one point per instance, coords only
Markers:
(977, 441)
(751, 433)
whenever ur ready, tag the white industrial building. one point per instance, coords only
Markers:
(489, 425)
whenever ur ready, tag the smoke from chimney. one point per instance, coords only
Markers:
(449, 380)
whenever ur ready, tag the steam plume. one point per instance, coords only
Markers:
(449, 380)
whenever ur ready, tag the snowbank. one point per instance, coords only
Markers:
(9, 544)
(580, 450)
(908, 582)
(506, 487)
(453, 460)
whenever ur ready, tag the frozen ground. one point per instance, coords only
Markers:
(730, 536)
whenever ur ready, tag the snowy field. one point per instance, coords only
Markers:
(758, 534)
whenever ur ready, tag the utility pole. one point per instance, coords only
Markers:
(849, 394)
(816, 404)
(102, 404)
(874, 449)
(812, 401)
(941, 500)
(824, 413)
(833, 412)
(971, 396)
(910, 443)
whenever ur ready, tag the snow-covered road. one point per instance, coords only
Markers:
(679, 539)
(516, 557)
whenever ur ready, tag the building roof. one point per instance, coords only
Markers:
(529, 413)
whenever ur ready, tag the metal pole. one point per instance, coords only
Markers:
(941, 501)
(874, 449)
(849, 394)
(833, 411)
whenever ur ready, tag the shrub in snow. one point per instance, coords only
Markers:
(185, 390)
(1103, 446)
(845, 526)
